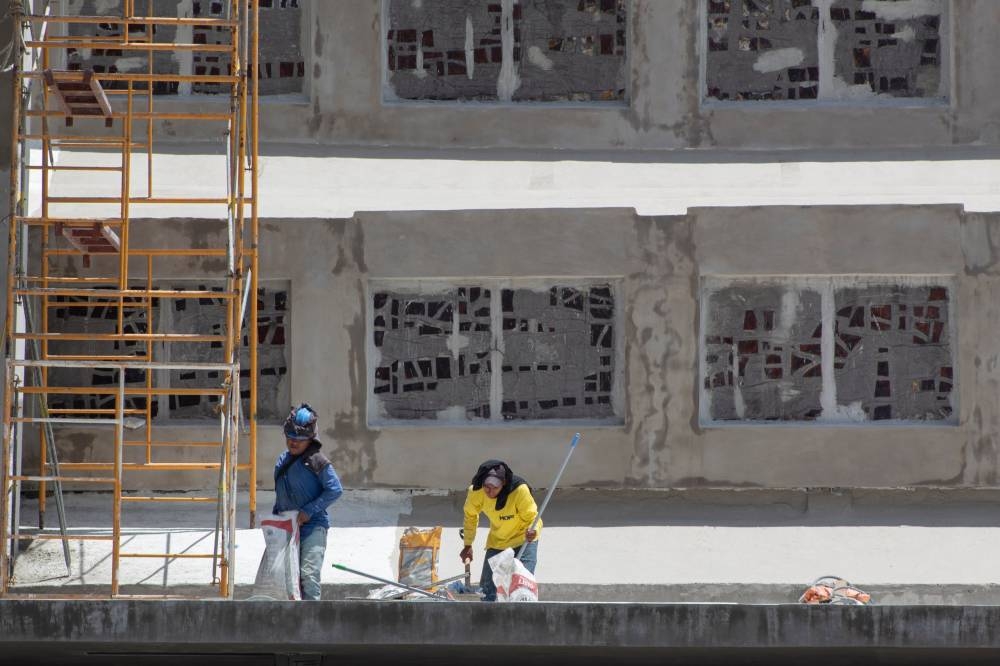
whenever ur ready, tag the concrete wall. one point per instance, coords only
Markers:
(660, 263)
(664, 108)
(913, 79)
(119, 632)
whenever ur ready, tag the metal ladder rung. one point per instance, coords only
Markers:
(64, 479)
(170, 556)
(153, 498)
(64, 537)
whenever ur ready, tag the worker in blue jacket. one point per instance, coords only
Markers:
(305, 481)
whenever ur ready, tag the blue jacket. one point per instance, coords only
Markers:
(299, 488)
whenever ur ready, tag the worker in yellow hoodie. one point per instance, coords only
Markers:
(507, 502)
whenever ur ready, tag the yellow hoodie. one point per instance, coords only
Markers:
(508, 525)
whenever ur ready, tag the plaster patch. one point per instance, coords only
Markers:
(130, 64)
(509, 80)
(976, 243)
(456, 341)
(907, 34)
(894, 10)
(738, 404)
(779, 59)
(470, 48)
(851, 413)
(538, 59)
(419, 71)
(454, 413)
(789, 312)
(185, 34)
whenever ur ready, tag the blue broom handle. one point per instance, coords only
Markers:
(552, 488)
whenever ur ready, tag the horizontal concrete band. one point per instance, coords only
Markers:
(266, 626)
(690, 593)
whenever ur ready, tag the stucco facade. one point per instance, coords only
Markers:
(657, 437)
(644, 75)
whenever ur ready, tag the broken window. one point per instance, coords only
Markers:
(494, 352)
(830, 50)
(513, 50)
(827, 349)
(762, 353)
(281, 63)
(200, 315)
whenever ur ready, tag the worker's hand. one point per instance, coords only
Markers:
(466, 554)
(531, 535)
(302, 518)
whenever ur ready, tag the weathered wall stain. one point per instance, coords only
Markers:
(353, 441)
(655, 344)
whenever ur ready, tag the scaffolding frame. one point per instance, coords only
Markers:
(42, 96)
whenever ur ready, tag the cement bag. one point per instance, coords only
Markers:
(513, 580)
(418, 557)
(278, 574)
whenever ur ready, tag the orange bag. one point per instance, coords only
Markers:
(835, 591)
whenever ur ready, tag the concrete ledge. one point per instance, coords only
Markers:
(692, 593)
(327, 627)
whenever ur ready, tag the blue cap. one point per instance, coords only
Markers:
(301, 423)
(303, 416)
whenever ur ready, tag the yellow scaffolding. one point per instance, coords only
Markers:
(109, 113)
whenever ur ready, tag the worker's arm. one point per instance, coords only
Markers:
(473, 505)
(527, 511)
(331, 491)
(470, 522)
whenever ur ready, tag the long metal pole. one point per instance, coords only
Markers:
(388, 582)
(552, 488)
(116, 509)
(254, 250)
(8, 500)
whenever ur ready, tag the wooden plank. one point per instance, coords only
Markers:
(98, 90)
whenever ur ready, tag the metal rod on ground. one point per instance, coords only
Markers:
(388, 582)
(437, 583)
(552, 488)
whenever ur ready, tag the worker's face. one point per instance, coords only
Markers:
(492, 491)
(296, 446)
